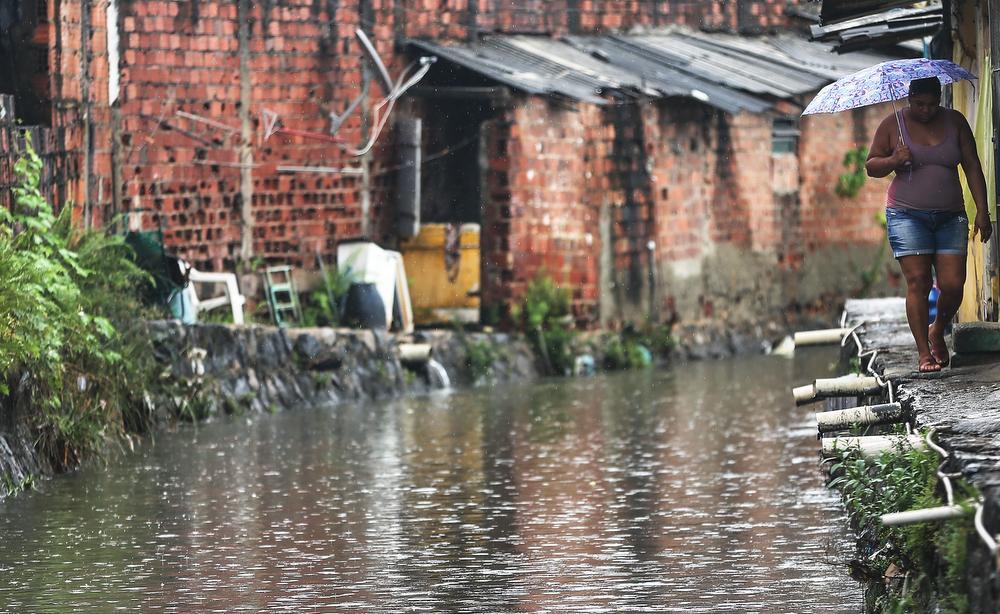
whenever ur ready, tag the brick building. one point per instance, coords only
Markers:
(646, 184)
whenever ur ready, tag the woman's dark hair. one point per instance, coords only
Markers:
(930, 85)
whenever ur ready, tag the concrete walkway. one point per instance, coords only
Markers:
(961, 403)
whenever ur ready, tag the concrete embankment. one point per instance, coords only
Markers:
(960, 408)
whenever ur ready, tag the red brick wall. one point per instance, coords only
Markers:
(689, 176)
(678, 173)
(80, 100)
(185, 57)
(552, 222)
(444, 19)
(829, 219)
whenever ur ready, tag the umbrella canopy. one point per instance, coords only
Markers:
(885, 82)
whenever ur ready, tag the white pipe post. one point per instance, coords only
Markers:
(845, 386)
(929, 514)
(415, 353)
(872, 445)
(804, 394)
(865, 415)
(828, 336)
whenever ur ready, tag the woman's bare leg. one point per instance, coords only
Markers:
(950, 270)
(917, 272)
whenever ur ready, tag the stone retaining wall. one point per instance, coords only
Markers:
(213, 369)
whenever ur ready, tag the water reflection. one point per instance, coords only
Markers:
(694, 490)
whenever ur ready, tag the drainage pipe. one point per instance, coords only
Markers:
(872, 445)
(886, 413)
(415, 353)
(846, 386)
(929, 514)
(828, 336)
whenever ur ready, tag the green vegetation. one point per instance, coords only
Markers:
(321, 306)
(14, 487)
(68, 299)
(851, 182)
(480, 356)
(636, 348)
(911, 568)
(625, 352)
(544, 316)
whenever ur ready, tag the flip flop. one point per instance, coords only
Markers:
(928, 364)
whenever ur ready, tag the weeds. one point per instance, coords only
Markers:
(13, 487)
(323, 306)
(480, 357)
(931, 556)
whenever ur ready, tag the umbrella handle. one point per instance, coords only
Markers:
(899, 125)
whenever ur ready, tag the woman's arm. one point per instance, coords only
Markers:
(883, 158)
(974, 175)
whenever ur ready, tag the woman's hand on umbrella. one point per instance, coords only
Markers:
(902, 155)
(983, 226)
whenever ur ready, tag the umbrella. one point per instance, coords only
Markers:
(885, 82)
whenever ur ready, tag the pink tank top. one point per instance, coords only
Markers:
(931, 182)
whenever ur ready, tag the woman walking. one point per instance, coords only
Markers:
(925, 210)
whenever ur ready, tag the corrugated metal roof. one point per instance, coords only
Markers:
(666, 77)
(883, 28)
(537, 65)
(728, 71)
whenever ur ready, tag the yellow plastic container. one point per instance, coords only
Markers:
(436, 298)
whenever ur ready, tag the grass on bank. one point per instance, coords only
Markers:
(911, 568)
(69, 345)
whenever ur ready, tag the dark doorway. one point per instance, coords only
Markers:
(451, 182)
(24, 59)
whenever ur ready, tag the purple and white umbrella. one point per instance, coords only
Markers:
(885, 82)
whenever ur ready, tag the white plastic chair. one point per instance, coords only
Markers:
(232, 297)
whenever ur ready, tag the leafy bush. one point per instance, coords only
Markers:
(544, 316)
(66, 298)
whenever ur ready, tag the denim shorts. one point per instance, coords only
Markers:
(913, 232)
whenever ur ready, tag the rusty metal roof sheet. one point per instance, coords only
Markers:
(728, 71)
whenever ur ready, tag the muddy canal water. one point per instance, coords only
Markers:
(689, 490)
